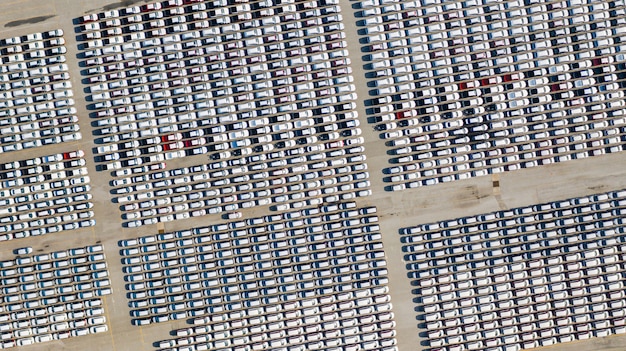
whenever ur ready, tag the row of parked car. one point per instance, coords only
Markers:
(44, 195)
(526, 152)
(191, 135)
(357, 333)
(201, 335)
(182, 90)
(214, 187)
(36, 106)
(294, 330)
(203, 14)
(31, 45)
(522, 277)
(563, 300)
(452, 79)
(306, 277)
(53, 296)
(236, 137)
(209, 37)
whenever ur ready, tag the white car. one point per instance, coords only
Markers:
(174, 154)
(23, 250)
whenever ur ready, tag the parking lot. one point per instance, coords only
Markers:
(521, 278)
(37, 105)
(251, 271)
(409, 208)
(462, 90)
(53, 296)
(44, 195)
(264, 96)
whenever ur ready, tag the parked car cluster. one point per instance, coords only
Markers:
(257, 78)
(285, 331)
(53, 296)
(36, 105)
(300, 270)
(469, 88)
(44, 195)
(264, 90)
(522, 278)
(282, 181)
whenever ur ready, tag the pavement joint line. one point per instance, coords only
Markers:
(143, 340)
(501, 202)
(108, 317)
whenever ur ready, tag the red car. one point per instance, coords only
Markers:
(73, 154)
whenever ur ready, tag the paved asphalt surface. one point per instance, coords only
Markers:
(396, 210)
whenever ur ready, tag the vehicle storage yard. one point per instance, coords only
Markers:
(250, 176)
